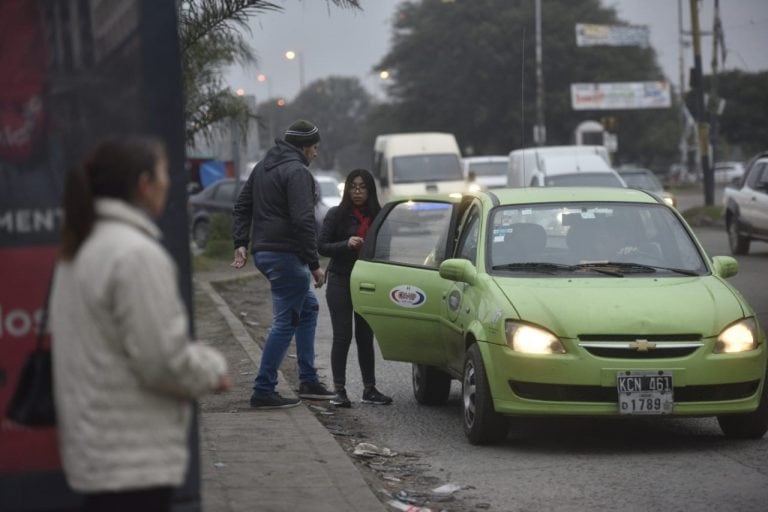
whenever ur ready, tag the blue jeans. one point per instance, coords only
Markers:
(294, 312)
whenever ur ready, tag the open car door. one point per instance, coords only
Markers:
(395, 284)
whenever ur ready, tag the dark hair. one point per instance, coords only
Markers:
(112, 170)
(372, 206)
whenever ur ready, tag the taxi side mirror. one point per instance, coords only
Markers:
(725, 266)
(458, 269)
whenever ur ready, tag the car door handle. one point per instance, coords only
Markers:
(367, 287)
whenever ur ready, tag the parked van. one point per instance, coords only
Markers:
(417, 163)
(570, 166)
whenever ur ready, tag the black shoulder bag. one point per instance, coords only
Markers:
(32, 402)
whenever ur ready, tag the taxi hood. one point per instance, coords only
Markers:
(606, 305)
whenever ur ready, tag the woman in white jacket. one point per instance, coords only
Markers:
(125, 371)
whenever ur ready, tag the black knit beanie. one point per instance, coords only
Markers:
(302, 133)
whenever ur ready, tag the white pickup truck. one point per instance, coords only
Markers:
(746, 206)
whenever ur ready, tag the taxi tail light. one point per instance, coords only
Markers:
(529, 339)
(737, 337)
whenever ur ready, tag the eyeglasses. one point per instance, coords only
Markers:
(355, 188)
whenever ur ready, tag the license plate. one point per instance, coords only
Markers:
(645, 392)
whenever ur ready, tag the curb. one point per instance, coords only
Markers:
(274, 460)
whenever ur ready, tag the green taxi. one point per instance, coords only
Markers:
(561, 301)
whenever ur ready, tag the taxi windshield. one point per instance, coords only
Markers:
(618, 238)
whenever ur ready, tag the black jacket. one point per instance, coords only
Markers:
(276, 205)
(337, 228)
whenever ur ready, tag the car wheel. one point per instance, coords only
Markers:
(752, 425)
(430, 385)
(200, 231)
(739, 244)
(482, 424)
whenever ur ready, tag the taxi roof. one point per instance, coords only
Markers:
(569, 194)
(528, 195)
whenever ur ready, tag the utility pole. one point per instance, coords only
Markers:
(714, 100)
(681, 94)
(540, 131)
(701, 113)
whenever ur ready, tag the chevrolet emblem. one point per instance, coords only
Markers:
(642, 345)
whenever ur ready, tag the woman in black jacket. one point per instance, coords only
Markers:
(341, 238)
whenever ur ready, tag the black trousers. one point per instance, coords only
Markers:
(339, 300)
(155, 499)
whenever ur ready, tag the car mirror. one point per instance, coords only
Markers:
(457, 269)
(725, 266)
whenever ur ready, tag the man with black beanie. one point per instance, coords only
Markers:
(276, 207)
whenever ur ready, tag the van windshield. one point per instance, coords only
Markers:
(584, 179)
(420, 168)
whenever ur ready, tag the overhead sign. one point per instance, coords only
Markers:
(620, 95)
(611, 35)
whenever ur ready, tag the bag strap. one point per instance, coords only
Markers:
(43, 327)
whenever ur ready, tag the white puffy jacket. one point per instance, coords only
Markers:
(125, 371)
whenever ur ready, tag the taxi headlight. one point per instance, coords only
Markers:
(738, 337)
(529, 339)
(669, 200)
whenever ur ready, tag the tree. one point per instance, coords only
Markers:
(742, 126)
(339, 106)
(468, 67)
(211, 37)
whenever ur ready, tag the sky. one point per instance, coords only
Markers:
(347, 42)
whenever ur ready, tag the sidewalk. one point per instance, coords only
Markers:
(278, 460)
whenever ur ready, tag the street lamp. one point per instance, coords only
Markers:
(291, 55)
(262, 79)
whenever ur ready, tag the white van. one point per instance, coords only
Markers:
(417, 163)
(489, 171)
(569, 166)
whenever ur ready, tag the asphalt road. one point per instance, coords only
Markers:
(568, 464)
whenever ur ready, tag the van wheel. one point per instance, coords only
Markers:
(752, 425)
(430, 385)
(482, 424)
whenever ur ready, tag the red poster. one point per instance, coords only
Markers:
(24, 277)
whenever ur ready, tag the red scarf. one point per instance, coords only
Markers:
(363, 222)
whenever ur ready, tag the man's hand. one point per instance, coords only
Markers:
(241, 256)
(319, 277)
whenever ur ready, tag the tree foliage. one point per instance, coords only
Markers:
(468, 67)
(211, 34)
(742, 126)
(339, 106)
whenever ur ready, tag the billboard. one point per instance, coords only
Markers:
(71, 73)
(612, 35)
(620, 95)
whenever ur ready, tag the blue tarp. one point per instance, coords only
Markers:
(211, 172)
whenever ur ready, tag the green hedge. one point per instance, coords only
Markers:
(220, 237)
